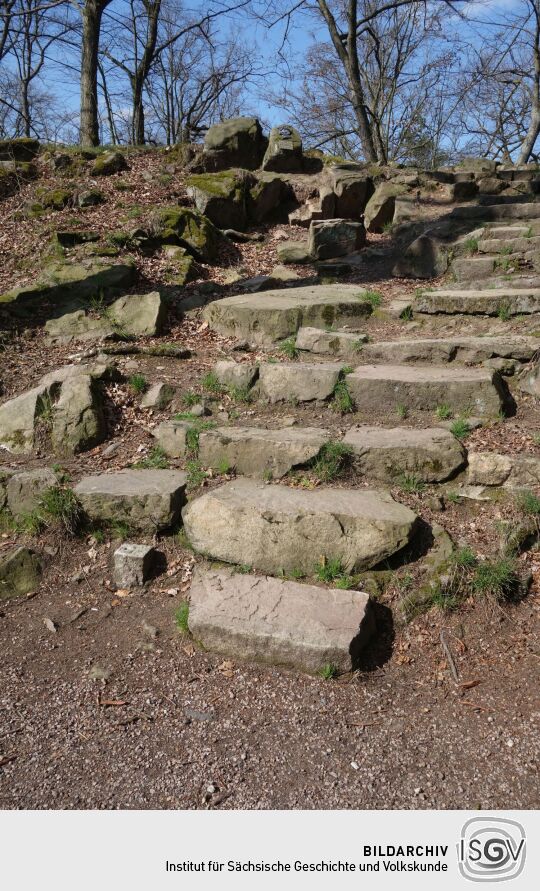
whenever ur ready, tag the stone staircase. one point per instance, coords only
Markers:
(317, 387)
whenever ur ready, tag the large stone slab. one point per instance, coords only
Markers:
(489, 302)
(275, 315)
(255, 451)
(459, 349)
(431, 454)
(274, 528)
(148, 500)
(377, 387)
(302, 382)
(278, 621)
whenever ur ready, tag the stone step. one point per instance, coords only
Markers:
(458, 349)
(256, 451)
(500, 232)
(490, 302)
(278, 621)
(301, 382)
(498, 245)
(274, 528)
(432, 455)
(510, 471)
(275, 315)
(330, 343)
(471, 269)
(147, 500)
(386, 387)
(517, 210)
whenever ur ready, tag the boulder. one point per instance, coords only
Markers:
(190, 229)
(459, 349)
(424, 388)
(275, 315)
(78, 419)
(267, 198)
(61, 284)
(276, 528)
(303, 382)
(352, 187)
(20, 573)
(18, 418)
(293, 252)
(158, 396)
(510, 471)
(109, 163)
(278, 621)
(24, 490)
(90, 198)
(172, 436)
(284, 152)
(335, 238)
(428, 256)
(222, 197)
(236, 374)
(238, 142)
(135, 315)
(21, 149)
(380, 208)
(330, 343)
(183, 264)
(147, 500)
(255, 451)
(5, 475)
(430, 454)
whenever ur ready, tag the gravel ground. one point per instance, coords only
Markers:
(172, 727)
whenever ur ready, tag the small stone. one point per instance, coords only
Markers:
(133, 564)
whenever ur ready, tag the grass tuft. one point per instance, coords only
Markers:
(138, 383)
(181, 617)
(333, 458)
(288, 348)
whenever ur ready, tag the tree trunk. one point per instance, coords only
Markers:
(348, 56)
(91, 12)
(137, 124)
(527, 146)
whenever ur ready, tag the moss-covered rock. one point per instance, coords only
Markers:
(70, 283)
(90, 198)
(182, 263)
(284, 152)
(54, 199)
(268, 199)
(23, 149)
(68, 239)
(188, 228)
(238, 142)
(222, 196)
(20, 573)
(109, 163)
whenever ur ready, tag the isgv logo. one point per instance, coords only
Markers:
(491, 849)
